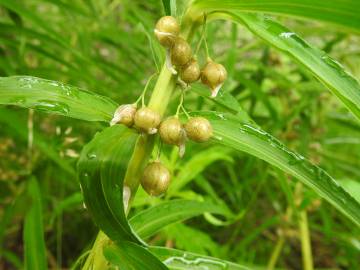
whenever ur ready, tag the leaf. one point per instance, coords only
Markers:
(55, 97)
(196, 165)
(327, 70)
(101, 171)
(181, 260)
(130, 256)
(344, 14)
(230, 131)
(148, 222)
(182, 236)
(167, 7)
(34, 243)
(224, 99)
(353, 187)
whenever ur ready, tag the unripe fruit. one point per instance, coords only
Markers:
(166, 30)
(190, 72)
(198, 129)
(147, 120)
(213, 75)
(124, 114)
(172, 132)
(180, 52)
(156, 178)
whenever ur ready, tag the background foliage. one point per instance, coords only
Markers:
(108, 47)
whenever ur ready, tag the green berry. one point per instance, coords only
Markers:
(155, 179)
(198, 129)
(166, 30)
(147, 120)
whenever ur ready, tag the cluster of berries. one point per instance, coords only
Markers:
(212, 74)
(156, 177)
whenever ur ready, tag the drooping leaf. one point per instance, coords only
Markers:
(150, 221)
(327, 70)
(101, 171)
(229, 130)
(34, 243)
(181, 260)
(130, 256)
(55, 97)
(342, 13)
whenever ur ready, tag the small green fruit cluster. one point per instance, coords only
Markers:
(180, 50)
(212, 74)
(197, 129)
(156, 177)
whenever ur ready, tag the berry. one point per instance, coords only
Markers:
(198, 129)
(147, 120)
(180, 52)
(166, 30)
(156, 178)
(213, 75)
(172, 132)
(190, 72)
(124, 114)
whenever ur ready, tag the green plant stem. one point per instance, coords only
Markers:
(164, 87)
(276, 253)
(305, 242)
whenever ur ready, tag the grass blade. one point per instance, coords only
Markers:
(151, 220)
(181, 260)
(242, 136)
(344, 14)
(55, 97)
(130, 256)
(34, 250)
(323, 67)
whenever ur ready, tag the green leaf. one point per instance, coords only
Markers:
(34, 243)
(101, 171)
(130, 256)
(181, 260)
(342, 13)
(150, 221)
(196, 165)
(224, 100)
(323, 67)
(55, 97)
(230, 131)
(167, 7)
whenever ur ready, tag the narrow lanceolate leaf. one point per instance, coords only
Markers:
(151, 220)
(342, 13)
(323, 67)
(34, 243)
(229, 130)
(55, 97)
(181, 260)
(130, 256)
(101, 170)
